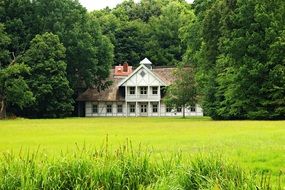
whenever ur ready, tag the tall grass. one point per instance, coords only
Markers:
(125, 168)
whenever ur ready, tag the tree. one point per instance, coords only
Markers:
(70, 21)
(130, 42)
(183, 92)
(89, 54)
(240, 61)
(14, 90)
(48, 82)
(164, 46)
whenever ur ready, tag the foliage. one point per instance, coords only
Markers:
(235, 59)
(48, 81)
(13, 87)
(89, 54)
(183, 92)
(150, 28)
(165, 46)
(4, 42)
(123, 169)
(130, 39)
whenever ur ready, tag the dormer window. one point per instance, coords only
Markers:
(143, 90)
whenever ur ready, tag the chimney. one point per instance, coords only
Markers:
(125, 67)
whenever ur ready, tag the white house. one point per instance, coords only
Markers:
(134, 93)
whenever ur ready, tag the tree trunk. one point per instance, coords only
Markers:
(183, 110)
(2, 109)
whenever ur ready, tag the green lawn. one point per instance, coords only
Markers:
(253, 144)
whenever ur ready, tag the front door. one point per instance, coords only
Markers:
(143, 110)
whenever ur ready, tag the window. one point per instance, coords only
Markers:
(168, 109)
(120, 108)
(109, 108)
(143, 90)
(143, 108)
(132, 90)
(132, 108)
(193, 109)
(154, 108)
(95, 108)
(179, 109)
(154, 90)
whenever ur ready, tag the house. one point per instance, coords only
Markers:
(136, 92)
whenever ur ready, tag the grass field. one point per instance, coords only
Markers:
(258, 145)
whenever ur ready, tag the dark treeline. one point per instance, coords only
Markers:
(52, 50)
(62, 50)
(150, 28)
(238, 47)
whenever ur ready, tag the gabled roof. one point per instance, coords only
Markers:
(113, 93)
(166, 74)
(146, 61)
(147, 69)
(110, 94)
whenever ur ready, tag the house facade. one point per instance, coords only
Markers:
(134, 93)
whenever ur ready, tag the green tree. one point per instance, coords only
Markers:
(48, 81)
(14, 90)
(164, 46)
(130, 42)
(240, 59)
(183, 92)
(89, 54)
(67, 19)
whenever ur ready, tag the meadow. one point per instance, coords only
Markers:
(255, 146)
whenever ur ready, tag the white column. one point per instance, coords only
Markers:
(148, 110)
(126, 113)
(126, 104)
(159, 108)
(136, 92)
(136, 108)
(126, 92)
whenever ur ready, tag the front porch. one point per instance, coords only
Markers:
(143, 109)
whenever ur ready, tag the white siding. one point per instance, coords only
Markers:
(102, 111)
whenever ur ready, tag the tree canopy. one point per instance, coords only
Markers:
(88, 55)
(240, 58)
(237, 48)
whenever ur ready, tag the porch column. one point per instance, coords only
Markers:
(136, 92)
(136, 110)
(148, 110)
(126, 104)
(158, 108)
(126, 113)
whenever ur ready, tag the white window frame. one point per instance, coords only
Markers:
(132, 108)
(109, 108)
(154, 108)
(154, 89)
(132, 90)
(143, 90)
(168, 109)
(93, 108)
(193, 108)
(120, 110)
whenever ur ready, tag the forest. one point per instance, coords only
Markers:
(51, 51)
